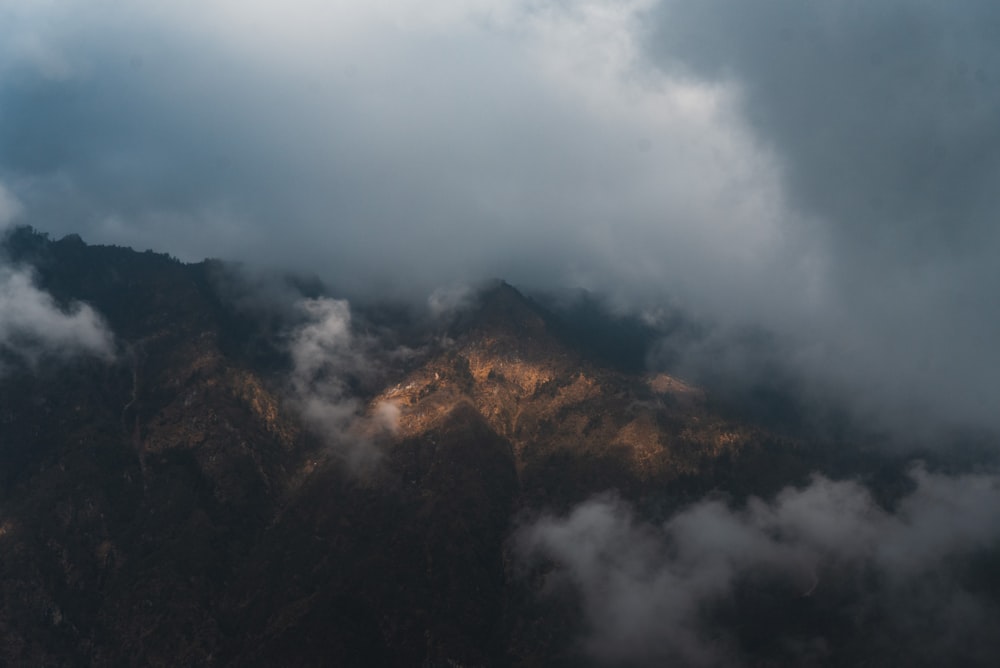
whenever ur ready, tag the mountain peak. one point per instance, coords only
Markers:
(501, 307)
(188, 472)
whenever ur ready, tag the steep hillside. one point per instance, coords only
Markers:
(172, 506)
(132, 489)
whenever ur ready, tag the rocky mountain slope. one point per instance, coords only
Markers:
(172, 506)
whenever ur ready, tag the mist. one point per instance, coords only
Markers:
(33, 327)
(823, 174)
(889, 584)
(326, 355)
(786, 194)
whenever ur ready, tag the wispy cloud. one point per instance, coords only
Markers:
(650, 592)
(33, 326)
(327, 357)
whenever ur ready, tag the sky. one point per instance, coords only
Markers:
(826, 172)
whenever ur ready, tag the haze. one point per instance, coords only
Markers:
(826, 172)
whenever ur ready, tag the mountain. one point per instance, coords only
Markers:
(175, 505)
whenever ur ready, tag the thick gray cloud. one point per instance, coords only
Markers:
(822, 170)
(884, 113)
(386, 148)
(883, 117)
(648, 591)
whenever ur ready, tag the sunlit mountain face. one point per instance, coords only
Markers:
(207, 466)
(499, 332)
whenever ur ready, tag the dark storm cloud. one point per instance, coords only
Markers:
(884, 112)
(136, 141)
(819, 170)
(385, 148)
(651, 594)
(883, 117)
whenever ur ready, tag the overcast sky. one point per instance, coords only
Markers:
(828, 171)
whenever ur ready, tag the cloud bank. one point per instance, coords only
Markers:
(823, 171)
(883, 578)
(881, 117)
(391, 150)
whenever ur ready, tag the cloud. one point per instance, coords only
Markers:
(450, 299)
(882, 112)
(880, 117)
(652, 594)
(329, 365)
(33, 326)
(541, 154)
(824, 172)
(10, 207)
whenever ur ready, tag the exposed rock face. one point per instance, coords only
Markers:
(170, 508)
(574, 426)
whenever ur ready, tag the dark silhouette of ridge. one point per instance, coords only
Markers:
(172, 506)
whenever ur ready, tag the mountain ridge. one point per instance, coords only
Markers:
(175, 505)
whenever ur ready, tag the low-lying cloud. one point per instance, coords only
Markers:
(34, 327)
(652, 594)
(327, 358)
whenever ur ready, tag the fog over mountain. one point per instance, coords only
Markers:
(824, 172)
(782, 196)
(651, 594)
(211, 466)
